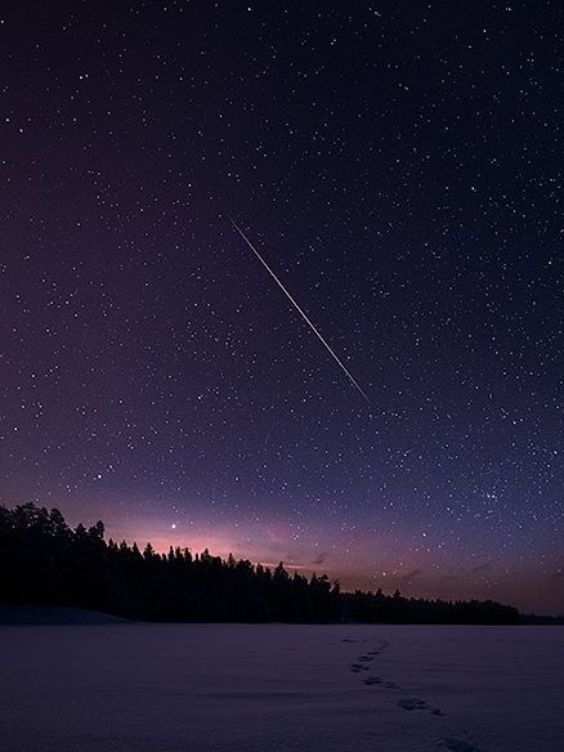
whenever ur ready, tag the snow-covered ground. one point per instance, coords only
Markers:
(274, 688)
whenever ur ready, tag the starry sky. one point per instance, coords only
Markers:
(399, 167)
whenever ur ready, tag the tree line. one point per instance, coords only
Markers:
(45, 561)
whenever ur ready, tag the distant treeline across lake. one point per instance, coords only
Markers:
(45, 561)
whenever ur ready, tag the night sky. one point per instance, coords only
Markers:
(399, 167)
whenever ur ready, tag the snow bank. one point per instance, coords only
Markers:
(16, 614)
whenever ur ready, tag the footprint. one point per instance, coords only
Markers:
(370, 680)
(412, 703)
(365, 658)
(356, 667)
(458, 745)
(379, 648)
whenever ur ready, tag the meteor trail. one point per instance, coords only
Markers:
(302, 313)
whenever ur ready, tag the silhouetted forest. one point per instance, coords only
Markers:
(44, 561)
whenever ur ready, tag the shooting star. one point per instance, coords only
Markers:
(302, 313)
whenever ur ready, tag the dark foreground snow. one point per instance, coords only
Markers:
(274, 688)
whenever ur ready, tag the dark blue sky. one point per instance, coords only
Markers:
(399, 167)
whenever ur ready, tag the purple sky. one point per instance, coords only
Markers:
(398, 166)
